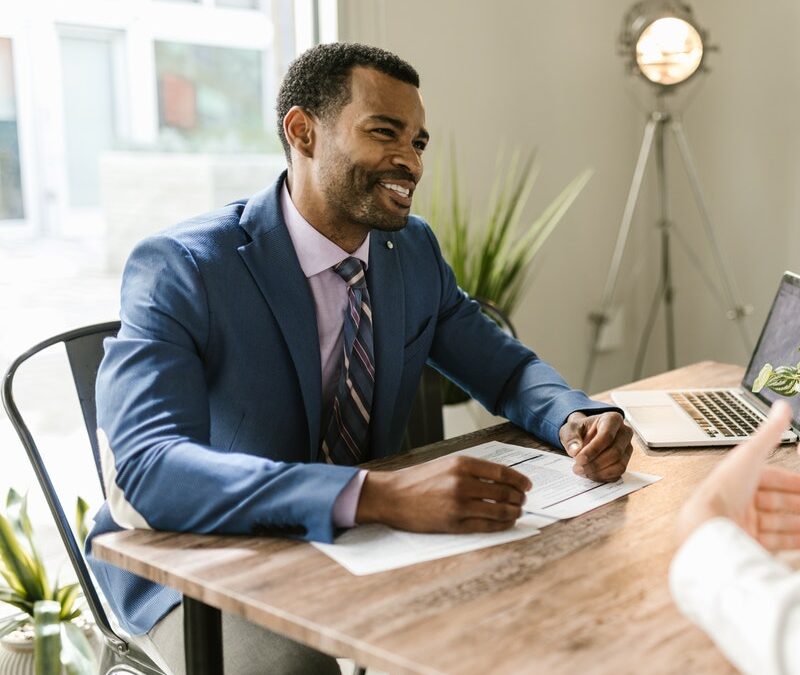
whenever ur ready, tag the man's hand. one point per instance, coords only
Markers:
(763, 500)
(453, 494)
(600, 444)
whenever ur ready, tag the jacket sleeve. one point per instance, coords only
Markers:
(747, 601)
(159, 468)
(498, 371)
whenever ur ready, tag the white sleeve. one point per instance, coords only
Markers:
(747, 601)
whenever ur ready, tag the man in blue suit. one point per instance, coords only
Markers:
(271, 345)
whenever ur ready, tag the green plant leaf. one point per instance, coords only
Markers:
(763, 376)
(66, 597)
(17, 513)
(77, 655)
(491, 263)
(81, 510)
(20, 566)
(16, 600)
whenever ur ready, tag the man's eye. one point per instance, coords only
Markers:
(420, 145)
(385, 132)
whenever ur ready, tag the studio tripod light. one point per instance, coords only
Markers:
(662, 43)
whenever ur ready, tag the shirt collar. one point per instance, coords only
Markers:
(315, 251)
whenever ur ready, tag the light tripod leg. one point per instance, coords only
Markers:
(648, 331)
(736, 309)
(599, 319)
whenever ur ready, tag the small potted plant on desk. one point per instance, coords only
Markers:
(48, 636)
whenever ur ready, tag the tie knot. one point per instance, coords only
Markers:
(352, 271)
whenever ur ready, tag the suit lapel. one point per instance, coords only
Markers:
(272, 262)
(385, 283)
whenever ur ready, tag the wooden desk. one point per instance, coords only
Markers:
(587, 595)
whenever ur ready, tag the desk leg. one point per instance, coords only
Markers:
(202, 638)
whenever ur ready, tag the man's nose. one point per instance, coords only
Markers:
(410, 160)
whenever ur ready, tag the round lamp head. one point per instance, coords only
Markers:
(662, 42)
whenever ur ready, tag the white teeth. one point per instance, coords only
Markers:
(397, 188)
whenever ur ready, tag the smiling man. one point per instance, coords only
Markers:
(270, 346)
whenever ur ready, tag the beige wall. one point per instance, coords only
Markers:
(545, 74)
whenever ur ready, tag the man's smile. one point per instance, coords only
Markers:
(399, 193)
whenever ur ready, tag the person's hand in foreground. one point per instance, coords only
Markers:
(600, 444)
(453, 494)
(763, 500)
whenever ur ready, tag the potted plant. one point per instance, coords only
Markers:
(491, 261)
(49, 633)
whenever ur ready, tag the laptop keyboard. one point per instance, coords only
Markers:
(718, 413)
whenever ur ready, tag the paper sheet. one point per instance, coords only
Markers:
(557, 492)
(368, 549)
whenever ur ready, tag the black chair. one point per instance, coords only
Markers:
(84, 348)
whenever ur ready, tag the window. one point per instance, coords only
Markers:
(10, 176)
(89, 115)
(212, 99)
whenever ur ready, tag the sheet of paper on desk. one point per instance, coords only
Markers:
(557, 492)
(376, 548)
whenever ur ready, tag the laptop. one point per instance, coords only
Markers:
(709, 417)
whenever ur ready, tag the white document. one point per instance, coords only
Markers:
(368, 549)
(557, 492)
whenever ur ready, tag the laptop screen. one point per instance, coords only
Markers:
(779, 342)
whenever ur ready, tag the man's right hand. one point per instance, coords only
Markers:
(454, 494)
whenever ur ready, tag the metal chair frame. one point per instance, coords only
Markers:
(84, 347)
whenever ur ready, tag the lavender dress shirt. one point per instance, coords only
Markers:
(318, 255)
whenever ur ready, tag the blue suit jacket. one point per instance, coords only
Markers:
(209, 399)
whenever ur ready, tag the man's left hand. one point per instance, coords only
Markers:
(600, 444)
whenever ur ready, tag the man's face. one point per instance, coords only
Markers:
(369, 158)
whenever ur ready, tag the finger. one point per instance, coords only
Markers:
(779, 542)
(773, 500)
(497, 492)
(468, 525)
(755, 450)
(777, 478)
(607, 474)
(618, 447)
(572, 433)
(477, 508)
(783, 523)
(607, 426)
(480, 468)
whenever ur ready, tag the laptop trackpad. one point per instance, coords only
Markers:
(654, 415)
(662, 425)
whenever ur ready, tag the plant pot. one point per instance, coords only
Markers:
(464, 418)
(16, 648)
(16, 653)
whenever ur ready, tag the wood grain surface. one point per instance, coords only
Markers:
(588, 595)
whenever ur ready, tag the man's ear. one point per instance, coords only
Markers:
(299, 126)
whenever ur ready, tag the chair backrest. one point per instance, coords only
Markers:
(84, 348)
(425, 424)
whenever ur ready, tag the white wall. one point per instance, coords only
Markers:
(545, 74)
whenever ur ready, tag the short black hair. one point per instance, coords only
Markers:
(319, 79)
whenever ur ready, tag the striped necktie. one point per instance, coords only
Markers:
(347, 437)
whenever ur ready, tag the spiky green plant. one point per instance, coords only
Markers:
(27, 581)
(783, 380)
(491, 259)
